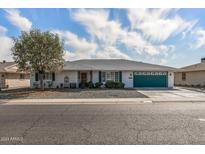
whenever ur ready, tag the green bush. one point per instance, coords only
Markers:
(90, 84)
(116, 85)
(98, 84)
(119, 85)
(86, 85)
(110, 84)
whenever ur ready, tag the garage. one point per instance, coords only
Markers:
(150, 79)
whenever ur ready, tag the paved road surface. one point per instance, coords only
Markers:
(157, 123)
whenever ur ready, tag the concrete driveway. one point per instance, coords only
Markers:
(178, 94)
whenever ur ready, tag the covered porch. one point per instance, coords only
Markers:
(85, 76)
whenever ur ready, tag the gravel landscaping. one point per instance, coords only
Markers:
(70, 93)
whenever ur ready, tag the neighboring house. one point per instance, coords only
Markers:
(193, 75)
(10, 77)
(131, 73)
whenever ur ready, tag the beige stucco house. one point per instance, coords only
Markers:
(193, 75)
(10, 77)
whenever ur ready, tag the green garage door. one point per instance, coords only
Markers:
(150, 79)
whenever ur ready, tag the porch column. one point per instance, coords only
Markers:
(91, 76)
(78, 79)
(120, 76)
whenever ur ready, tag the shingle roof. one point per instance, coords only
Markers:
(113, 64)
(194, 67)
(3, 66)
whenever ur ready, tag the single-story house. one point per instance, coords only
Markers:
(192, 75)
(10, 77)
(131, 73)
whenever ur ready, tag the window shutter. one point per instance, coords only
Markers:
(100, 76)
(120, 78)
(53, 76)
(36, 76)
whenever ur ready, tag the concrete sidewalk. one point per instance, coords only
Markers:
(77, 101)
(97, 101)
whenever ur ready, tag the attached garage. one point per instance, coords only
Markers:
(150, 79)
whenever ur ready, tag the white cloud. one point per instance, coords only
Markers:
(3, 30)
(97, 24)
(111, 52)
(13, 15)
(199, 34)
(79, 48)
(158, 25)
(163, 61)
(6, 44)
(109, 32)
(134, 41)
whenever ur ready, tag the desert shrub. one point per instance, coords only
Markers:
(119, 85)
(112, 84)
(98, 84)
(90, 84)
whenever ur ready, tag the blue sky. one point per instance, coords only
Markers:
(174, 37)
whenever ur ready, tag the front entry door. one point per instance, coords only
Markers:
(83, 77)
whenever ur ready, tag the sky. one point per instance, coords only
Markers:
(172, 37)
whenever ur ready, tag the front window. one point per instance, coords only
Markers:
(117, 77)
(110, 76)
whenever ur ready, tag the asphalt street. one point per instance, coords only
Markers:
(155, 123)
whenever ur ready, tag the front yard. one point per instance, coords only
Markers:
(70, 93)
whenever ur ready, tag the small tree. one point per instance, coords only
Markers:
(38, 52)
